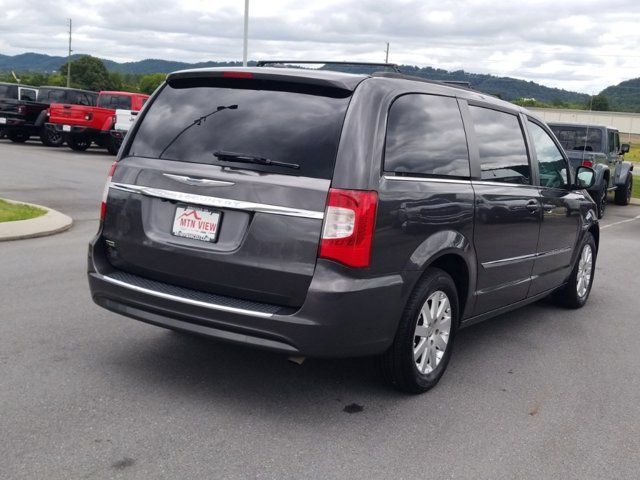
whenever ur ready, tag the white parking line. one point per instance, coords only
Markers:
(621, 221)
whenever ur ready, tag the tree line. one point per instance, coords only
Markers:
(90, 73)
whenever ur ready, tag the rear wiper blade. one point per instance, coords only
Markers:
(244, 158)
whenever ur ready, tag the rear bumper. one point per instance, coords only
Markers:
(9, 122)
(342, 316)
(75, 129)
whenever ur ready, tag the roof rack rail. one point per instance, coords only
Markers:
(451, 83)
(393, 66)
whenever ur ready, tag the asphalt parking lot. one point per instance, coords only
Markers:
(538, 393)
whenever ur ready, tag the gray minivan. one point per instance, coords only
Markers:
(324, 214)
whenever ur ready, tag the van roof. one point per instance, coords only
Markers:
(333, 79)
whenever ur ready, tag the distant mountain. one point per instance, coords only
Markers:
(505, 87)
(625, 96)
(38, 62)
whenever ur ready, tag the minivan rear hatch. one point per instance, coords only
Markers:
(223, 186)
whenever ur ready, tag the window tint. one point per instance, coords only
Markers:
(115, 101)
(425, 135)
(28, 94)
(578, 138)
(271, 120)
(8, 91)
(616, 137)
(503, 154)
(612, 141)
(551, 164)
(51, 96)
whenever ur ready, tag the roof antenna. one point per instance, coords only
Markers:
(386, 54)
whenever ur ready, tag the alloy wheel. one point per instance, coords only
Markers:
(433, 328)
(585, 265)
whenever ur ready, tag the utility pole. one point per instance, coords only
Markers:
(386, 54)
(246, 33)
(69, 58)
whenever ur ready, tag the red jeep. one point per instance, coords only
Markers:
(81, 125)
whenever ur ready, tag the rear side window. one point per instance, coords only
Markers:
(115, 102)
(425, 136)
(28, 94)
(503, 153)
(258, 119)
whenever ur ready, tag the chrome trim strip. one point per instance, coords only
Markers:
(426, 179)
(508, 261)
(216, 201)
(198, 182)
(522, 258)
(175, 298)
(501, 184)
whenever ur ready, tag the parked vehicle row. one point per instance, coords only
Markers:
(57, 115)
(325, 214)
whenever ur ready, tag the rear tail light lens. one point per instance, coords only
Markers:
(349, 222)
(587, 163)
(105, 192)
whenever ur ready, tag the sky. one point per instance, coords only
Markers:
(579, 45)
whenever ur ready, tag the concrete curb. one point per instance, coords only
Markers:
(635, 201)
(50, 223)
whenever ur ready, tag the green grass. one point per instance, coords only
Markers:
(10, 212)
(634, 153)
(635, 191)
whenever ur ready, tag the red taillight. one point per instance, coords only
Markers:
(349, 222)
(105, 193)
(587, 163)
(237, 74)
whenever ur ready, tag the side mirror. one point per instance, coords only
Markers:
(624, 148)
(585, 178)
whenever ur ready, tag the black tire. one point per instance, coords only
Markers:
(623, 194)
(18, 136)
(77, 143)
(600, 198)
(113, 146)
(568, 296)
(398, 365)
(51, 138)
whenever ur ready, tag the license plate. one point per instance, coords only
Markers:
(196, 223)
(3, 120)
(66, 128)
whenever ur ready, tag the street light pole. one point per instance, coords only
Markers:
(246, 33)
(69, 58)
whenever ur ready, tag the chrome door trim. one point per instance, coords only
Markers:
(522, 258)
(426, 179)
(216, 201)
(198, 182)
(176, 298)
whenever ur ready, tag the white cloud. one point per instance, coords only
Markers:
(583, 45)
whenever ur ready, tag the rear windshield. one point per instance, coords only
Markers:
(47, 95)
(260, 120)
(115, 102)
(579, 138)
